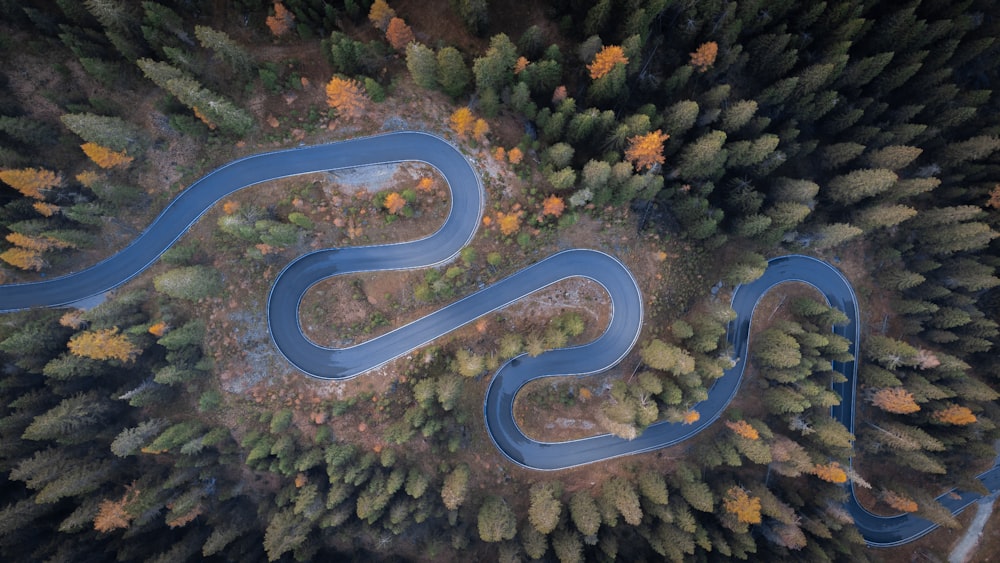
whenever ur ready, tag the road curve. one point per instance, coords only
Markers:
(442, 246)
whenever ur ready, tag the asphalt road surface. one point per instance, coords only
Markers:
(442, 246)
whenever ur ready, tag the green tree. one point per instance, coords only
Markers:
(456, 486)
(860, 184)
(234, 55)
(704, 158)
(495, 69)
(452, 73)
(192, 283)
(496, 520)
(111, 132)
(545, 506)
(422, 64)
(584, 513)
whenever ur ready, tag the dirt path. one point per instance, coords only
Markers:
(966, 547)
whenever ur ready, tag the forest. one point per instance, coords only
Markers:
(694, 139)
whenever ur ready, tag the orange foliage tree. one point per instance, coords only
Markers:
(381, 14)
(605, 60)
(281, 21)
(346, 96)
(204, 119)
(88, 178)
(559, 94)
(500, 154)
(105, 157)
(745, 507)
(509, 223)
(114, 514)
(31, 181)
(425, 184)
(462, 121)
(899, 502)
(104, 344)
(704, 56)
(520, 65)
(553, 205)
(954, 414)
(744, 429)
(394, 203)
(515, 155)
(691, 416)
(23, 258)
(399, 34)
(158, 329)
(646, 150)
(831, 472)
(896, 400)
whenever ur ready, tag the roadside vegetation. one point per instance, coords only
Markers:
(694, 140)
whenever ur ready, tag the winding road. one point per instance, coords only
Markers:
(467, 205)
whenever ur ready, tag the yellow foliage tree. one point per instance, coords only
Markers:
(104, 344)
(480, 130)
(745, 507)
(31, 181)
(38, 244)
(553, 205)
(499, 154)
(399, 34)
(88, 178)
(692, 416)
(346, 96)
(509, 223)
(462, 121)
(105, 157)
(831, 472)
(204, 119)
(425, 184)
(605, 60)
(704, 56)
(744, 429)
(72, 319)
(381, 14)
(23, 258)
(281, 21)
(158, 329)
(646, 150)
(896, 400)
(394, 203)
(954, 414)
(899, 502)
(515, 155)
(46, 209)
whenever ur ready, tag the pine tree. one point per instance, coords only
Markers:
(621, 494)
